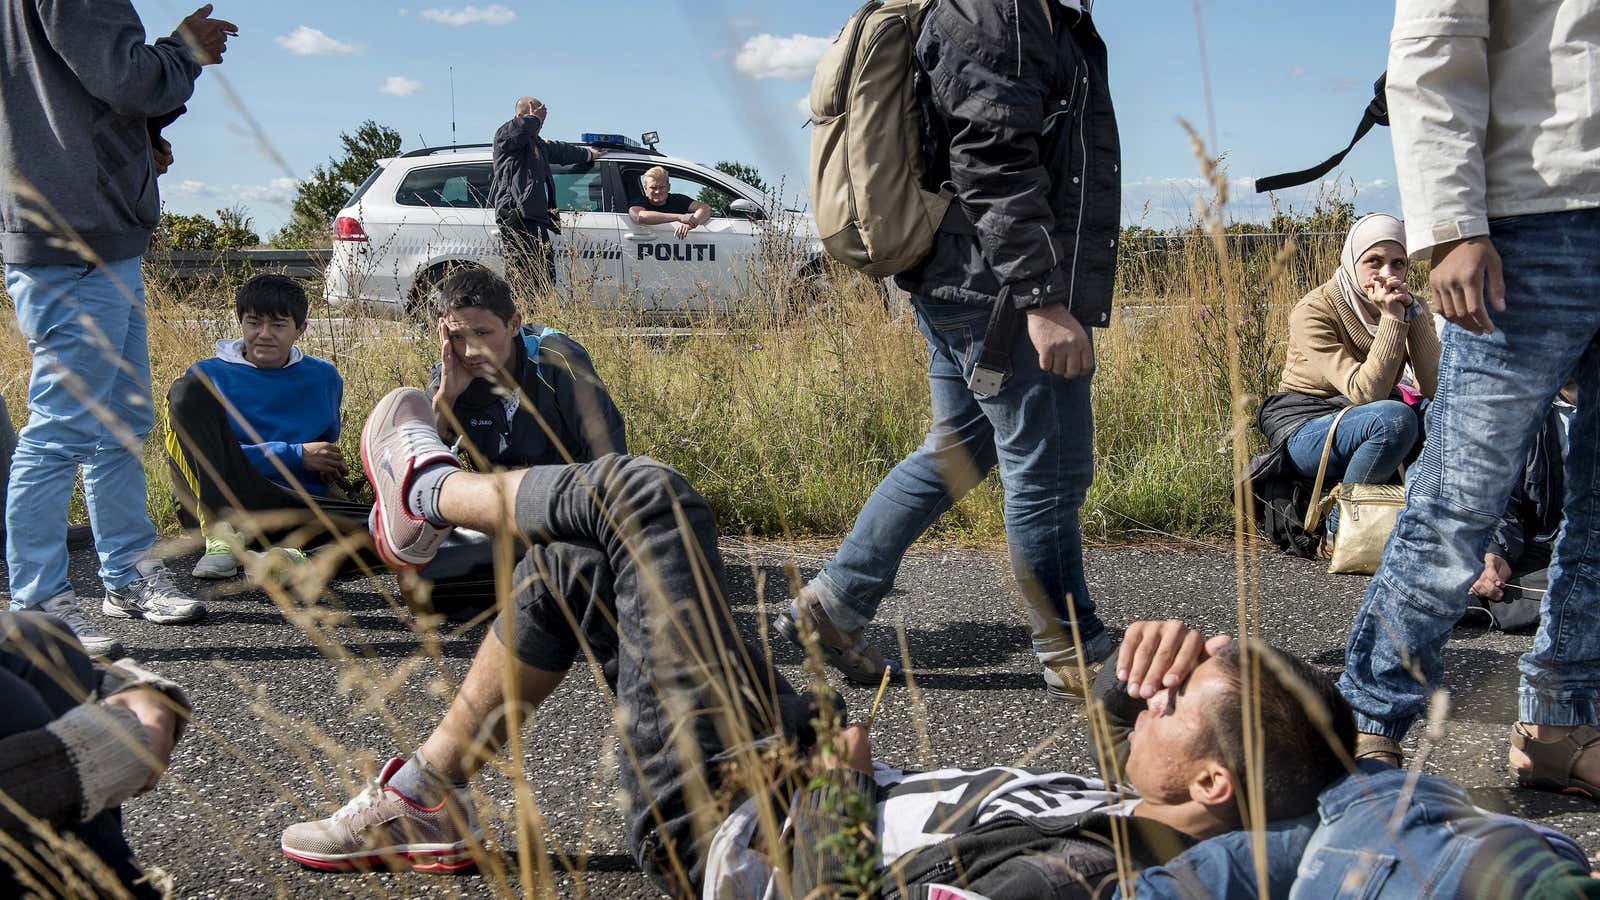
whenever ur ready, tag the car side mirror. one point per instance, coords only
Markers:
(745, 209)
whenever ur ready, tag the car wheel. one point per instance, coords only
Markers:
(419, 305)
(823, 282)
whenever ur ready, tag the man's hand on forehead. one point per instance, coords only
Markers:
(1160, 655)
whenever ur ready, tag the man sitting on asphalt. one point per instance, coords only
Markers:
(514, 395)
(659, 206)
(76, 740)
(1516, 565)
(254, 429)
(625, 567)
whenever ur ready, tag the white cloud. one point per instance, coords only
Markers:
(771, 56)
(185, 188)
(803, 106)
(400, 86)
(277, 192)
(493, 14)
(307, 41)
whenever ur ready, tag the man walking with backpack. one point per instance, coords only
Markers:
(1019, 111)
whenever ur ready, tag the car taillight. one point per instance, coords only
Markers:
(348, 229)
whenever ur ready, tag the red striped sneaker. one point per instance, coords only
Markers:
(381, 828)
(398, 441)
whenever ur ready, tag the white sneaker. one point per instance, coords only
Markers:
(218, 561)
(154, 597)
(64, 606)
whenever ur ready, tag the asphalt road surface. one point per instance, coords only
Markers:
(284, 730)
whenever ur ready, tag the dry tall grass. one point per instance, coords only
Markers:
(787, 420)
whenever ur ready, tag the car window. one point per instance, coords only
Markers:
(579, 188)
(694, 186)
(459, 185)
(362, 190)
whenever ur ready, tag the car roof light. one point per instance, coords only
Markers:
(618, 140)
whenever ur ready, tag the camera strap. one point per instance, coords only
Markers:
(994, 362)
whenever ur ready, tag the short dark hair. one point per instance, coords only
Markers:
(474, 287)
(1310, 732)
(272, 295)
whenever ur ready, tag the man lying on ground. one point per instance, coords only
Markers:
(625, 567)
(254, 429)
(76, 740)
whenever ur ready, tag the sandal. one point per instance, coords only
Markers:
(1552, 762)
(1380, 748)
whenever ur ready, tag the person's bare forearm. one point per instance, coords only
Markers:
(651, 217)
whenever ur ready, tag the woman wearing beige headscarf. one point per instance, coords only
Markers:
(1362, 339)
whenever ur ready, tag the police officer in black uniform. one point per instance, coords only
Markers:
(522, 191)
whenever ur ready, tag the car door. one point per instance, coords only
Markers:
(445, 216)
(710, 269)
(588, 249)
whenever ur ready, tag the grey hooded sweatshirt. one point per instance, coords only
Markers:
(78, 85)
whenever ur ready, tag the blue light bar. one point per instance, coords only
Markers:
(590, 137)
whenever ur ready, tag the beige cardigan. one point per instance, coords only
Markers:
(1331, 353)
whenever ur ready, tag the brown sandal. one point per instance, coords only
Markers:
(1552, 762)
(1380, 748)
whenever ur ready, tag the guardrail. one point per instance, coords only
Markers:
(180, 264)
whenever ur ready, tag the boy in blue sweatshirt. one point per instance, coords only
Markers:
(255, 429)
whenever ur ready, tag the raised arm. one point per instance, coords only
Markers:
(515, 135)
(104, 46)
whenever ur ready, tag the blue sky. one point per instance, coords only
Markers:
(724, 80)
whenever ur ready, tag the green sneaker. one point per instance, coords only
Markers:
(218, 561)
(277, 565)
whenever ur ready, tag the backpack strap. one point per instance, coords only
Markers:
(1314, 512)
(1376, 113)
(532, 342)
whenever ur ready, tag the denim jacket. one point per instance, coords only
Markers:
(1442, 845)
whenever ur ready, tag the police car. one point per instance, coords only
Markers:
(425, 213)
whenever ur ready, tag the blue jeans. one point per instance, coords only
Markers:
(1040, 430)
(85, 327)
(1372, 441)
(1493, 393)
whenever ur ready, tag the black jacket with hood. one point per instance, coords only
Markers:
(521, 189)
(572, 413)
(1018, 93)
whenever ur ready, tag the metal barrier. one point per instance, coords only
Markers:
(181, 264)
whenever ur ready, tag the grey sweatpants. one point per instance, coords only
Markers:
(625, 548)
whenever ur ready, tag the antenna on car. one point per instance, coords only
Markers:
(452, 106)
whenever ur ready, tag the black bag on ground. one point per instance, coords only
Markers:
(1282, 498)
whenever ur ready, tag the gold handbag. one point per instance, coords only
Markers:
(1367, 513)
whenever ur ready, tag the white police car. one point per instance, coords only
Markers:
(424, 213)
